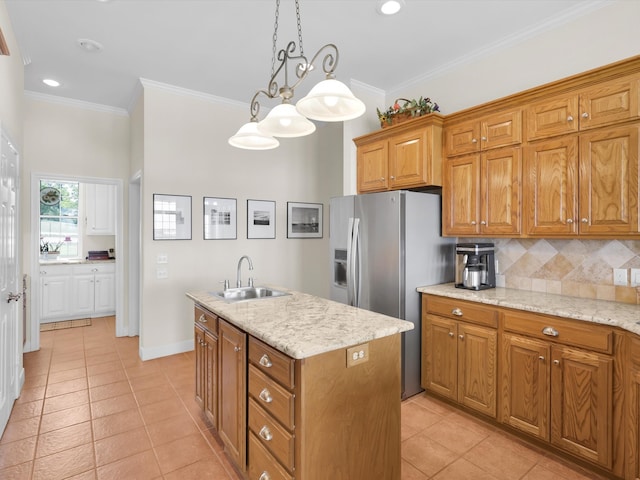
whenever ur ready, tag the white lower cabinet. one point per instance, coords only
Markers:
(77, 291)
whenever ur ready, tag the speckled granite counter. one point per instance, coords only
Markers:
(302, 325)
(617, 314)
(74, 262)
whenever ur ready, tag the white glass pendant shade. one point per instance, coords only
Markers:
(330, 101)
(285, 121)
(250, 138)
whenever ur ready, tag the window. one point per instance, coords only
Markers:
(59, 231)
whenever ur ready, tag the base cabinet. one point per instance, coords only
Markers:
(206, 351)
(460, 357)
(232, 392)
(633, 409)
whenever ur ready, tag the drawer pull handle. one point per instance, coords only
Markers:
(265, 361)
(550, 331)
(265, 433)
(202, 319)
(265, 395)
(265, 476)
(457, 312)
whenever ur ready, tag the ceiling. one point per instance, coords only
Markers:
(224, 47)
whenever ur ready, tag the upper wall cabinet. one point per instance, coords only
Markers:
(493, 131)
(101, 209)
(604, 104)
(404, 156)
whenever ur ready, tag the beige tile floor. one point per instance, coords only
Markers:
(91, 409)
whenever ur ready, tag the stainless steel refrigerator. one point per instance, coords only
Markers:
(383, 246)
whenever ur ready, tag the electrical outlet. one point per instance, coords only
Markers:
(635, 277)
(162, 273)
(357, 355)
(620, 277)
(162, 258)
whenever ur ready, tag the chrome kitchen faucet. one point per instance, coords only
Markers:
(238, 279)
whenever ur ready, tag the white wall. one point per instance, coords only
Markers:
(70, 139)
(11, 82)
(186, 153)
(579, 44)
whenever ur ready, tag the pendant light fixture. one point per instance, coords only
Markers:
(329, 101)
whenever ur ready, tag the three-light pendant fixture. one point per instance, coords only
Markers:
(328, 101)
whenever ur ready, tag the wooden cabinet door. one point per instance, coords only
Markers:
(210, 403)
(232, 391)
(581, 403)
(200, 365)
(440, 347)
(611, 102)
(632, 434)
(408, 159)
(525, 384)
(463, 138)
(609, 182)
(550, 188)
(477, 366)
(501, 129)
(500, 191)
(460, 195)
(553, 116)
(373, 167)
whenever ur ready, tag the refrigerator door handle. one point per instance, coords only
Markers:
(350, 276)
(355, 257)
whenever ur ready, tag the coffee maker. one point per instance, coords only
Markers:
(475, 266)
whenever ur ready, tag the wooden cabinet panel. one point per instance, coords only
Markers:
(501, 130)
(440, 348)
(232, 392)
(632, 434)
(609, 181)
(470, 312)
(501, 173)
(271, 362)
(581, 403)
(525, 384)
(550, 187)
(210, 403)
(553, 116)
(477, 368)
(407, 159)
(200, 365)
(262, 465)
(462, 138)
(272, 397)
(270, 433)
(460, 199)
(611, 102)
(373, 167)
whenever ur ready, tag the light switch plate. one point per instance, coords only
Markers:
(635, 277)
(620, 277)
(162, 258)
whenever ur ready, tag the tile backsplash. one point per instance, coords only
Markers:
(578, 268)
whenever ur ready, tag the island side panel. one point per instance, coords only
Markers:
(349, 417)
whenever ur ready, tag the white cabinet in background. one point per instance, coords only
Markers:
(93, 287)
(55, 282)
(100, 200)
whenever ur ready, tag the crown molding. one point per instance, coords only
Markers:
(96, 107)
(146, 83)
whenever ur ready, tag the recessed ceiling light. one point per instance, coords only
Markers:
(390, 7)
(51, 82)
(89, 45)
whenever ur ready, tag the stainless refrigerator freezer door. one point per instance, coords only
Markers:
(340, 210)
(381, 252)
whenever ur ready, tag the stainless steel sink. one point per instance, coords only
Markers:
(242, 294)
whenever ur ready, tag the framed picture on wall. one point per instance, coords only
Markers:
(304, 220)
(261, 219)
(220, 216)
(171, 217)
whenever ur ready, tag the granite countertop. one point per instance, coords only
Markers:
(623, 315)
(302, 325)
(78, 261)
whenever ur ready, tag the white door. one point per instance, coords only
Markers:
(10, 285)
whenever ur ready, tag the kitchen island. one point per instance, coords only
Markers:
(300, 387)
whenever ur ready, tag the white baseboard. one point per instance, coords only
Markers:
(165, 350)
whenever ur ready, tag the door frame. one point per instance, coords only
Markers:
(135, 254)
(33, 342)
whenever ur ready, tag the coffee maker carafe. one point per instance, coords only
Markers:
(475, 266)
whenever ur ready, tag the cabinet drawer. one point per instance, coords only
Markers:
(569, 332)
(269, 432)
(206, 319)
(461, 310)
(272, 397)
(272, 362)
(262, 466)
